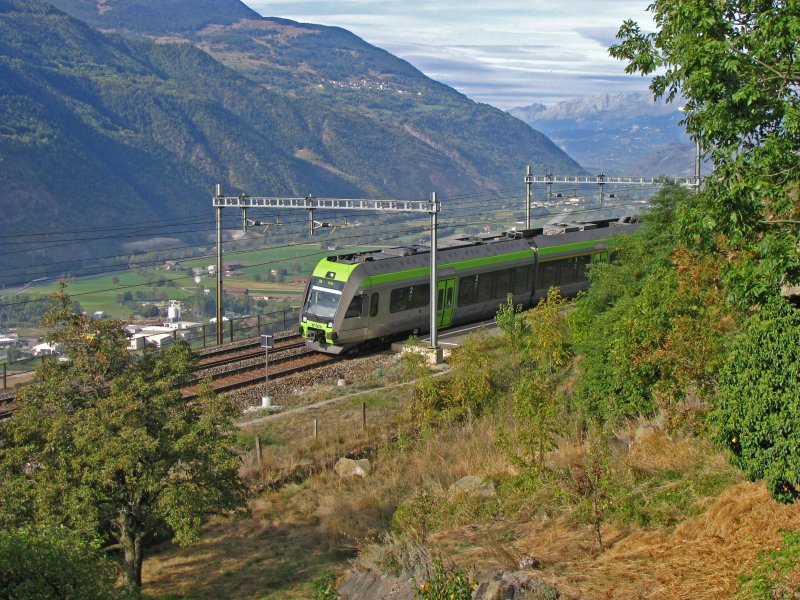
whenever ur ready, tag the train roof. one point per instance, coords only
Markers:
(550, 236)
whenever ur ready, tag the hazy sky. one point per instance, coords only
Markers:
(503, 52)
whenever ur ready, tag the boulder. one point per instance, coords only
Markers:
(472, 485)
(347, 467)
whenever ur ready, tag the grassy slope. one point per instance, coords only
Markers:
(701, 526)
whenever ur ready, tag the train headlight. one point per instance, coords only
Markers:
(305, 319)
(330, 324)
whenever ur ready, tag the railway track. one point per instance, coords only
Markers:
(253, 375)
(250, 350)
(237, 367)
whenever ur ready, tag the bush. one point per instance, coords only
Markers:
(756, 416)
(445, 583)
(39, 564)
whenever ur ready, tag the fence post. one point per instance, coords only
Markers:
(315, 429)
(258, 450)
(204, 335)
(259, 325)
(5, 376)
(284, 318)
(230, 329)
(364, 417)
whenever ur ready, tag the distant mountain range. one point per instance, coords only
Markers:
(621, 134)
(100, 129)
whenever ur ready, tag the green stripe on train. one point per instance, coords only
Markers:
(458, 266)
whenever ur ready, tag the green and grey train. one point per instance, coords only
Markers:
(384, 294)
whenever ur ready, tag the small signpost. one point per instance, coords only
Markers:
(267, 342)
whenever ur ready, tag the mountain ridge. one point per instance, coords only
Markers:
(100, 126)
(617, 134)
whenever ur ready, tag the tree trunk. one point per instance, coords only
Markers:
(131, 542)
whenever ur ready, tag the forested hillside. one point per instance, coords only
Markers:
(99, 129)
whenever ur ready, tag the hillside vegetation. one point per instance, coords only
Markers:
(102, 129)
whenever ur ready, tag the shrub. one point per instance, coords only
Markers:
(445, 583)
(756, 416)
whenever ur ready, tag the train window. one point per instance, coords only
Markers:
(420, 296)
(354, 309)
(520, 280)
(486, 286)
(466, 290)
(415, 296)
(503, 284)
(398, 301)
(373, 305)
(439, 298)
(449, 303)
(548, 275)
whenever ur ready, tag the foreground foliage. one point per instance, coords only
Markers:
(104, 444)
(757, 412)
(52, 563)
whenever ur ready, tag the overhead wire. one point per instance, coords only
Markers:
(93, 269)
(405, 231)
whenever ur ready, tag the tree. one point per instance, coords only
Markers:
(51, 563)
(105, 444)
(756, 415)
(734, 63)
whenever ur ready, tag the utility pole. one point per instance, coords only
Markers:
(219, 264)
(601, 181)
(310, 204)
(528, 184)
(548, 179)
(697, 165)
(434, 344)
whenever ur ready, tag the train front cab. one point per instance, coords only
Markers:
(323, 296)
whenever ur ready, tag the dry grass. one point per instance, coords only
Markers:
(319, 520)
(702, 558)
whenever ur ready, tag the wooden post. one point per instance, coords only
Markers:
(5, 376)
(315, 429)
(258, 450)
(364, 417)
(204, 335)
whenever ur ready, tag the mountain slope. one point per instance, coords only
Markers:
(620, 134)
(103, 129)
(349, 76)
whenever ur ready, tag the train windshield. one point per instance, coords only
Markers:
(323, 298)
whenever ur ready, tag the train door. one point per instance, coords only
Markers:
(445, 300)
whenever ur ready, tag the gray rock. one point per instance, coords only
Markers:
(371, 585)
(347, 467)
(472, 485)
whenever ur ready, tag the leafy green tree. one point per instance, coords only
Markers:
(511, 321)
(756, 416)
(105, 444)
(52, 563)
(543, 356)
(734, 63)
(651, 331)
(470, 386)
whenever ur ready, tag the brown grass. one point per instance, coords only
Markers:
(702, 558)
(320, 520)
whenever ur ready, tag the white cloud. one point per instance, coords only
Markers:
(505, 52)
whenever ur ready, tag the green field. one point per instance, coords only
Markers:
(99, 293)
